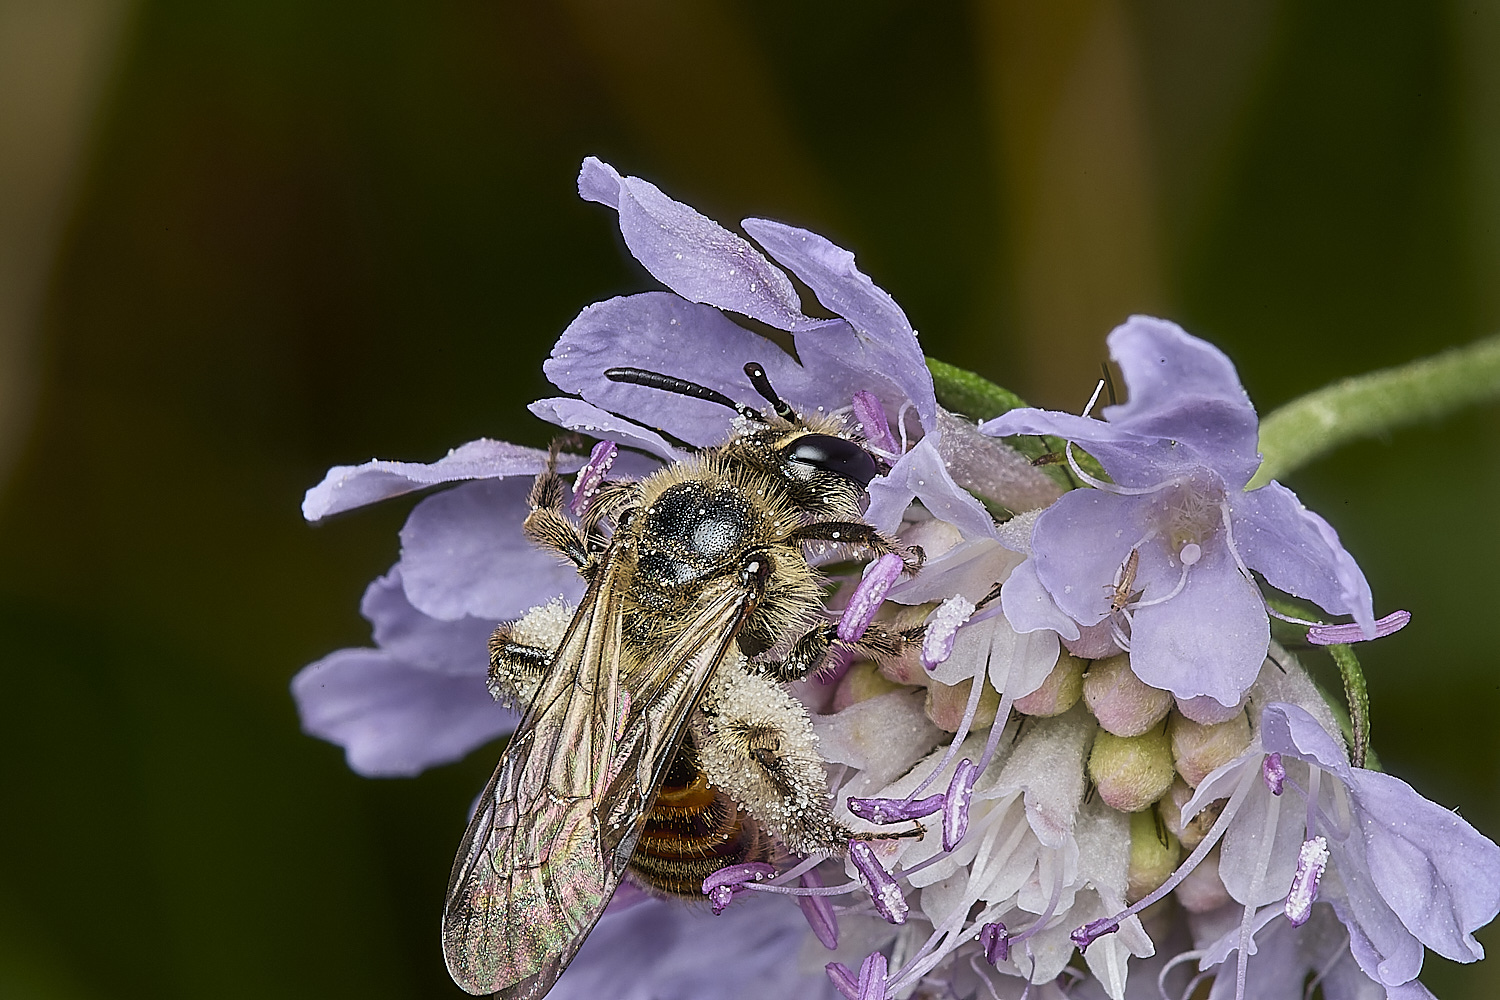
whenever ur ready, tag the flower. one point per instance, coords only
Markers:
(988, 853)
(1398, 871)
(1177, 516)
(418, 697)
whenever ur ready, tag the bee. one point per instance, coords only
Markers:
(657, 743)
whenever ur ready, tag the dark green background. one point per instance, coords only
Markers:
(313, 232)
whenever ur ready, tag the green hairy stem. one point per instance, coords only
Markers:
(1358, 699)
(1357, 407)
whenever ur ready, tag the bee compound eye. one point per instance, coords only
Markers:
(827, 453)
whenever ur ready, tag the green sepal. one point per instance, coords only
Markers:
(1356, 694)
(1358, 698)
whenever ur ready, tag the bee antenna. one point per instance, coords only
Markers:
(680, 387)
(762, 385)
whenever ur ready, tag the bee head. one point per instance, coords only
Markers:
(805, 454)
(809, 454)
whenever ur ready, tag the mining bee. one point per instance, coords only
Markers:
(657, 743)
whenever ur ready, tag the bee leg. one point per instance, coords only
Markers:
(516, 668)
(772, 769)
(547, 525)
(879, 643)
(858, 535)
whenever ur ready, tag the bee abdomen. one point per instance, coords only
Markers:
(692, 831)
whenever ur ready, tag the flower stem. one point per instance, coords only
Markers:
(1353, 408)
(1358, 699)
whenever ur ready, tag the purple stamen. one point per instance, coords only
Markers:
(819, 912)
(1273, 772)
(883, 889)
(995, 942)
(719, 898)
(871, 591)
(956, 808)
(1330, 635)
(586, 483)
(843, 979)
(1311, 861)
(942, 630)
(883, 811)
(872, 977)
(1093, 930)
(736, 875)
(871, 417)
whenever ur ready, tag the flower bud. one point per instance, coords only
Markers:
(946, 704)
(1198, 749)
(1123, 703)
(861, 683)
(1153, 854)
(1202, 890)
(1191, 832)
(1059, 692)
(1131, 772)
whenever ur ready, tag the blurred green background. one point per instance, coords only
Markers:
(243, 241)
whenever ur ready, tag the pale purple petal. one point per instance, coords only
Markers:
(920, 474)
(868, 595)
(1439, 874)
(457, 647)
(1131, 459)
(1029, 607)
(889, 343)
(690, 253)
(586, 418)
(1185, 389)
(872, 421)
(1210, 639)
(842, 361)
(1332, 635)
(1080, 543)
(348, 486)
(661, 332)
(1097, 642)
(393, 719)
(663, 950)
(1299, 552)
(463, 554)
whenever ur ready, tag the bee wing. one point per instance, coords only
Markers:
(558, 822)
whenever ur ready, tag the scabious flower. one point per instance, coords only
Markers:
(1022, 804)
(1168, 544)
